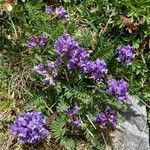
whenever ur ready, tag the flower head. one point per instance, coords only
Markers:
(48, 9)
(76, 121)
(53, 64)
(72, 114)
(64, 44)
(61, 12)
(78, 58)
(37, 41)
(125, 54)
(40, 69)
(29, 127)
(118, 88)
(97, 69)
(107, 117)
(72, 110)
(49, 74)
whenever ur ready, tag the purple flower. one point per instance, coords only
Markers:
(97, 69)
(40, 69)
(125, 54)
(64, 44)
(118, 88)
(53, 64)
(49, 74)
(75, 57)
(71, 111)
(49, 80)
(72, 114)
(76, 122)
(37, 41)
(48, 9)
(107, 117)
(29, 127)
(78, 58)
(61, 12)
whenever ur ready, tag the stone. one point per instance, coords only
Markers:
(133, 133)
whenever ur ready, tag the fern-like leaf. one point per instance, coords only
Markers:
(57, 128)
(67, 143)
(62, 106)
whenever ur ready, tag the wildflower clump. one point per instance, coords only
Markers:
(49, 74)
(107, 117)
(97, 69)
(65, 44)
(125, 54)
(29, 127)
(60, 12)
(72, 114)
(78, 58)
(39, 40)
(70, 47)
(118, 88)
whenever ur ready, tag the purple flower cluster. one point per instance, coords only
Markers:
(97, 69)
(72, 114)
(78, 58)
(48, 74)
(107, 117)
(65, 44)
(34, 41)
(118, 88)
(40, 70)
(29, 127)
(60, 12)
(125, 54)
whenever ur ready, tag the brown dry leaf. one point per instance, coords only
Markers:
(127, 22)
(7, 6)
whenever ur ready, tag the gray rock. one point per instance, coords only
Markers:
(133, 134)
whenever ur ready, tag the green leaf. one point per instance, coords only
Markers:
(62, 106)
(57, 128)
(67, 143)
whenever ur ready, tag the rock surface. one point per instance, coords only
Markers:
(133, 134)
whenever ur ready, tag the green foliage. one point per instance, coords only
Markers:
(138, 9)
(62, 106)
(5, 101)
(57, 128)
(34, 102)
(67, 143)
